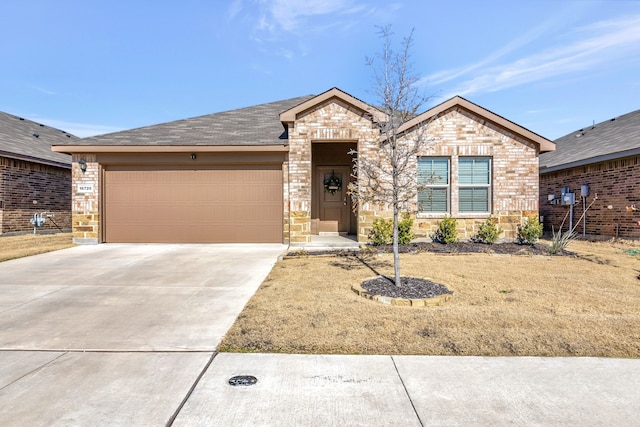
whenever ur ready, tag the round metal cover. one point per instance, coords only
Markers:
(245, 380)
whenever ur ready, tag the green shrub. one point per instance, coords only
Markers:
(446, 232)
(530, 232)
(405, 229)
(488, 233)
(382, 231)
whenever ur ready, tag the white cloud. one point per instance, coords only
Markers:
(276, 21)
(290, 15)
(42, 90)
(594, 46)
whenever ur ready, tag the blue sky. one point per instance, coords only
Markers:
(92, 67)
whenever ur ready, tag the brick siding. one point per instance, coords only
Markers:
(617, 183)
(453, 134)
(332, 120)
(86, 217)
(22, 183)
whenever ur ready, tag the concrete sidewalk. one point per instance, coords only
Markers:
(308, 390)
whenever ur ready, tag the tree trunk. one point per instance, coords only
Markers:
(396, 255)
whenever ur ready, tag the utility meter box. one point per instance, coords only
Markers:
(568, 199)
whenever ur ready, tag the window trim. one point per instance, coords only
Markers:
(488, 186)
(447, 187)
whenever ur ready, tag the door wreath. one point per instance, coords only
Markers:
(332, 184)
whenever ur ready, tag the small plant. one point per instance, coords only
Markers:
(488, 233)
(530, 232)
(382, 231)
(405, 227)
(446, 232)
(560, 241)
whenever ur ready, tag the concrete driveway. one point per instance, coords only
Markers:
(117, 334)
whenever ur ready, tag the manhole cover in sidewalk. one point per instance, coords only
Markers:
(243, 380)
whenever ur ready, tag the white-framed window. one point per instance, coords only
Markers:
(433, 180)
(474, 185)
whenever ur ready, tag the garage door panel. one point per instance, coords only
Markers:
(241, 204)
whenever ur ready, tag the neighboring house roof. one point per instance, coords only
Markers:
(26, 140)
(611, 139)
(458, 101)
(291, 114)
(251, 126)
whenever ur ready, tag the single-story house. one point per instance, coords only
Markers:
(33, 178)
(602, 159)
(277, 172)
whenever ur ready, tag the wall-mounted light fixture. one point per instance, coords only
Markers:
(83, 165)
(193, 156)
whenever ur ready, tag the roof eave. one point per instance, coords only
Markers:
(69, 149)
(35, 159)
(589, 161)
(291, 114)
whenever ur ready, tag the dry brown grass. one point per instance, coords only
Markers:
(588, 305)
(12, 247)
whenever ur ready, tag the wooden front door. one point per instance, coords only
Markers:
(334, 207)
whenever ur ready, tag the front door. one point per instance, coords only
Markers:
(334, 204)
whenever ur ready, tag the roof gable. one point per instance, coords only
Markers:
(459, 102)
(30, 141)
(291, 114)
(611, 139)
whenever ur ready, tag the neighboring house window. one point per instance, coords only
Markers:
(433, 179)
(474, 184)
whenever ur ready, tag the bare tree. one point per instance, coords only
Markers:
(390, 179)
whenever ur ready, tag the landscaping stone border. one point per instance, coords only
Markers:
(405, 302)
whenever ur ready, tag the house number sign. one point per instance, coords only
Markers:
(85, 188)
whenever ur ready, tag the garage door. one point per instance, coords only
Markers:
(224, 204)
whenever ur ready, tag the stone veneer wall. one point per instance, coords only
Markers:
(332, 120)
(617, 183)
(456, 133)
(22, 183)
(86, 217)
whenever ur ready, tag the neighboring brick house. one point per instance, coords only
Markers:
(606, 158)
(260, 174)
(33, 179)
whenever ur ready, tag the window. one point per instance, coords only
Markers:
(474, 184)
(433, 179)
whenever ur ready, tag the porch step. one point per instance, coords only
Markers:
(327, 242)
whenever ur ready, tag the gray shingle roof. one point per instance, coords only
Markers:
(615, 138)
(18, 140)
(256, 125)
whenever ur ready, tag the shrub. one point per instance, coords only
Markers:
(488, 233)
(446, 232)
(382, 231)
(405, 227)
(530, 232)
(560, 241)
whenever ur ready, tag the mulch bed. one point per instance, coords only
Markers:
(469, 248)
(411, 288)
(440, 248)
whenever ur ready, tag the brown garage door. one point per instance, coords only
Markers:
(226, 204)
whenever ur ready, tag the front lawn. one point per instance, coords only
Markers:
(23, 245)
(582, 305)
